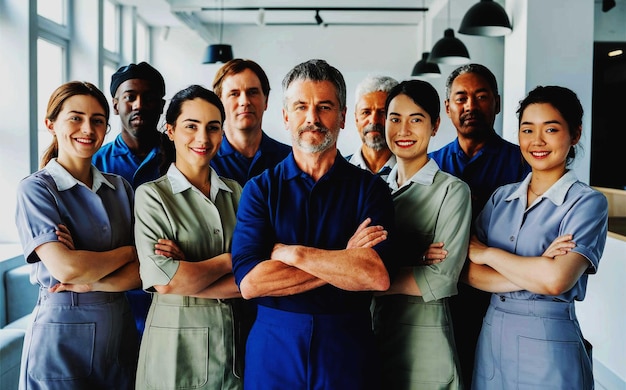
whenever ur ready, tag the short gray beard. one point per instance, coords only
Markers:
(330, 139)
(377, 143)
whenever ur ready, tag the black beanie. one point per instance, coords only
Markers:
(143, 71)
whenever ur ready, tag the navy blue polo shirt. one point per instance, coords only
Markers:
(231, 164)
(499, 162)
(285, 205)
(116, 157)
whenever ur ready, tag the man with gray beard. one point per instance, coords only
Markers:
(373, 155)
(313, 240)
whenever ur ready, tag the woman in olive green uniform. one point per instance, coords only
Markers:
(189, 339)
(433, 215)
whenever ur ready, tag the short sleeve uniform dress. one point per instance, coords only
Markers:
(532, 340)
(188, 342)
(77, 340)
(414, 333)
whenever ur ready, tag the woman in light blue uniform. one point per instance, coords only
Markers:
(536, 243)
(75, 225)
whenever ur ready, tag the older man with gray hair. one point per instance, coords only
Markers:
(373, 154)
(311, 244)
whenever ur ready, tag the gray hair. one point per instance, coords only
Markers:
(374, 84)
(478, 69)
(317, 70)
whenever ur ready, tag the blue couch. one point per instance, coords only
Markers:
(17, 300)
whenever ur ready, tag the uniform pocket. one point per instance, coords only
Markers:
(61, 351)
(549, 364)
(176, 358)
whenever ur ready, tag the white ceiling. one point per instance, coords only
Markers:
(161, 13)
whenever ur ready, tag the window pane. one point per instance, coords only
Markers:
(114, 121)
(54, 10)
(142, 42)
(111, 26)
(50, 65)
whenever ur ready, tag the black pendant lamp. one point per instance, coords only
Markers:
(218, 52)
(423, 68)
(449, 50)
(486, 18)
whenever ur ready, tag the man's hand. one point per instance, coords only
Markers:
(367, 236)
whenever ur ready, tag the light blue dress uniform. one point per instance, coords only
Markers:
(528, 340)
(77, 340)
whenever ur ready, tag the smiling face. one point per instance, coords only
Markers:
(545, 138)
(369, 114)
(197, 134)
(80, 128)
(313, 115)
(244, 101)
(409, 129)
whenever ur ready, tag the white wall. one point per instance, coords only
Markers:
(356, 52)
(602, 315)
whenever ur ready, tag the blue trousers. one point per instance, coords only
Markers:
(301, 351)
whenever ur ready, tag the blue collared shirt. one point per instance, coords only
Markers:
(499, 162)
(568, 207)
(285, 205)
(231, 164)
(116, 157)
(358, 160)
(99, 218)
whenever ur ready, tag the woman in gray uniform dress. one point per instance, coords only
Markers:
(433, 216)
(189, 338)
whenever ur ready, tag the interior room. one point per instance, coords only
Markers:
(579, 44)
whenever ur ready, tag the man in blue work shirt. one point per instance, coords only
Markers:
(137, 91)
(312, 241)
(246, 149)
(485, 161)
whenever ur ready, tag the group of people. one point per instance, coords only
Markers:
(211, 256)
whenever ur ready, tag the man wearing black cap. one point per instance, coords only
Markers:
(137, 91)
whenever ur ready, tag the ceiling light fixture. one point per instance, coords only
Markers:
(449, 49)
(318, 18)
(486, 18)
(423, 68)
(218, 52)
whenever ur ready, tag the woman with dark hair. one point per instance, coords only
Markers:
(536, 243)
(412, 319)
(75, 225)
(189, 338)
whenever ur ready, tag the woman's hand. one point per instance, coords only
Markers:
(434, 254)
(65, 237)
(477, 250)
(168, 248)
(560, 246)
(79, 288)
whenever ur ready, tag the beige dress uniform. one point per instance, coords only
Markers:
(414, 333)
(188, 342)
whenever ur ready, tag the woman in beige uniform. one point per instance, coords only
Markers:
(189, 339)
(433, 216)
